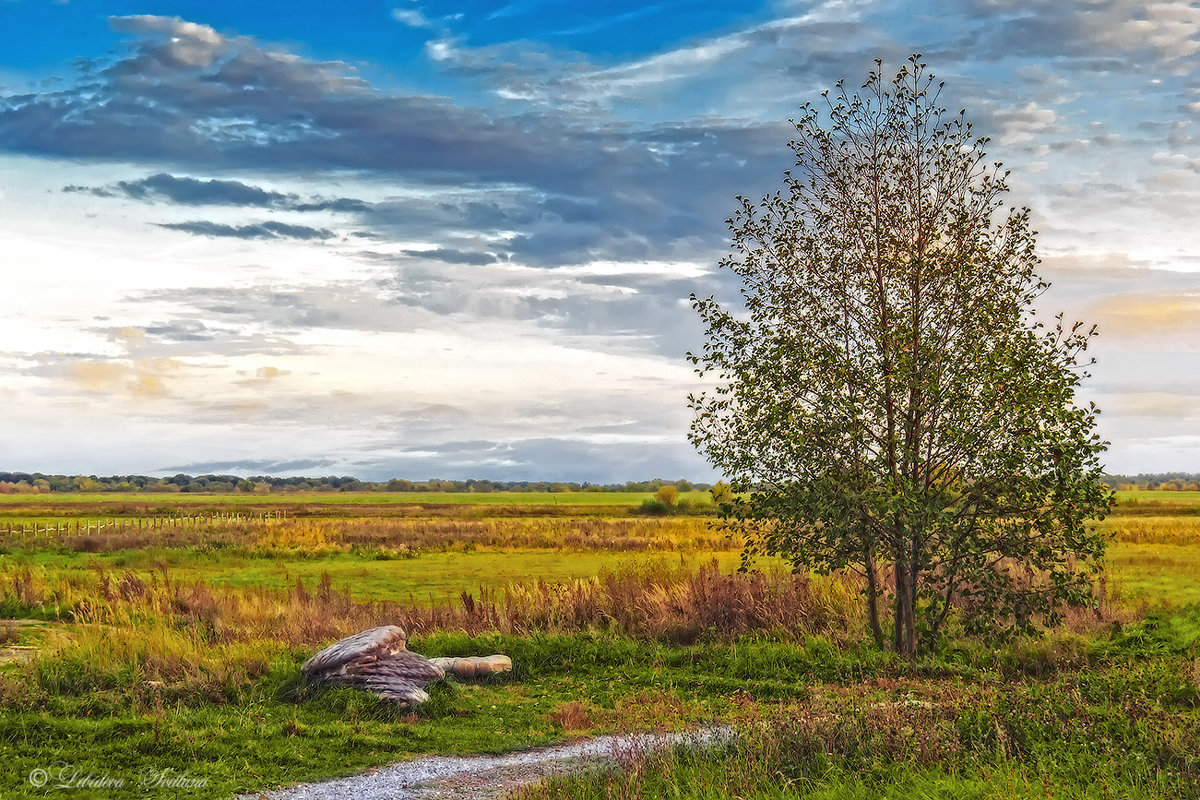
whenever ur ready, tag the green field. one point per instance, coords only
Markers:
(429, 577)
(284, 499)
(180, 647)
(390, 498)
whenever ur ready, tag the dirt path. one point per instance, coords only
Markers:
(480, 777)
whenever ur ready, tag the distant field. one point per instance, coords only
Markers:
(469, 498)
(352, 498)
(1156, 498)
(1157, 573)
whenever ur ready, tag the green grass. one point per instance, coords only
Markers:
(280, 731)
(1157, 573)
(1122, 723)
(1155, 495)
(282, 499)
(1112, 714)
(434, 575)
(277, 730)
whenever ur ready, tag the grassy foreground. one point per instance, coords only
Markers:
(169, 658)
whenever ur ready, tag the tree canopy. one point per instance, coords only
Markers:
(885, 397)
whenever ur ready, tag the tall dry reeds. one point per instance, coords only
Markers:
(151, 636)
(1178, 530)
(655, 601)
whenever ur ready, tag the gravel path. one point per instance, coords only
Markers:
(480, 777)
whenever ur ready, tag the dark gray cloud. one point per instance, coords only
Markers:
(188, 330)
(222, 314)
(260, 230)
(163, 187)
(341, 204)
(550, 458)
(1105, 36)
(450, 256)
(248, 466)
(193, 192)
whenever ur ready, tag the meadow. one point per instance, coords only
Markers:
(135, 647)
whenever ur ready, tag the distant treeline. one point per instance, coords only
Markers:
(1166, 481)
(38, 483)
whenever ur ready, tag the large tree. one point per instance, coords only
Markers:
(884, 398)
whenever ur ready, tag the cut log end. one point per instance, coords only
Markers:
(475, 666)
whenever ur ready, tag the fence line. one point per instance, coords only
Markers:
(89, 526)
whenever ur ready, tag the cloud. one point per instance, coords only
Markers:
(555, 221)
(1025, 124)
(577, 187)
(563, 458)
(139, 378)
(261, 230)
(222, 316)
(252, 466)
(412, 17)
(1150, 314)
(1106, 32)
(195, 192)
(1170, 406)
(453, 256)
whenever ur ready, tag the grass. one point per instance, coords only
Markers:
(1024, 740)
(1126, 497)
(180, 648)
(1153, 529)
(395, 535)
(275, 732)
(425, 577)
(1158, 573)
(143, 673)
(1123, 722)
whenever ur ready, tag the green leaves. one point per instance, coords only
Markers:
(884, 392)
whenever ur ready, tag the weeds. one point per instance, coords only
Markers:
(1032, 739)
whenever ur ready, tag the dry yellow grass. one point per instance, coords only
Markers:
(1180, 530)
(409, 534)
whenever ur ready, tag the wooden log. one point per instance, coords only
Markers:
(475, 666)
(368, 644)
(376, 661)
(403, 665)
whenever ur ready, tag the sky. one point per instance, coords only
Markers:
(431, 239)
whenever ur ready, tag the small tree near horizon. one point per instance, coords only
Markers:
(667, 495)
(885, 399)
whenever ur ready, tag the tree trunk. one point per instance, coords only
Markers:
(910, 617)
(872, 596)
(901, 576)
